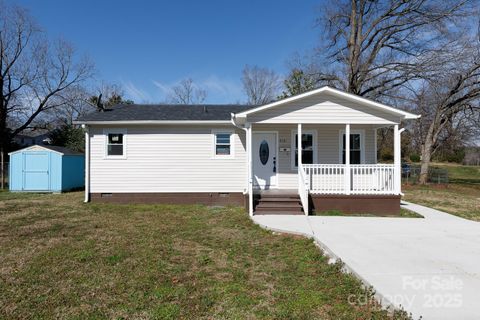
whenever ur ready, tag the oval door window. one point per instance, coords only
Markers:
(264, 152)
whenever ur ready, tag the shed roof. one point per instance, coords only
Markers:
(62, 150)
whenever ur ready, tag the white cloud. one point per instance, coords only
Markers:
(136, 94)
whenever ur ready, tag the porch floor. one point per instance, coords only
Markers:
(276, 192)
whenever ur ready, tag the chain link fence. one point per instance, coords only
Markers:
(411, 174)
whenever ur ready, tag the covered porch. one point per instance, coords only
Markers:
(276, 167)
(323, 145)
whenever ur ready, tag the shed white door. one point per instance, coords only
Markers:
(264, 155)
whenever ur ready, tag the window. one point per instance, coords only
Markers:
(355, 148)
(223, 144)
(115, 144)
(308, 148)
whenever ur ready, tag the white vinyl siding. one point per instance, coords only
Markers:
(328, 147)
(323, 109)
(179, 159)
(168, 159)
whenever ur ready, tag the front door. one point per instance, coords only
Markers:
(264, 155)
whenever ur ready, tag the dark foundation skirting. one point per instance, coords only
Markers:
(357, 204)
(206, 198)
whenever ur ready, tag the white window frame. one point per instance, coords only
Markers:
(214, 144)
(108, 131)
(360, 132)
(293, 138)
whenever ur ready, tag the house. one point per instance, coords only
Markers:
(46, 169)
(34, 137)
(234, 154)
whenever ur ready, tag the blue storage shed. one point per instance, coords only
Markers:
(46, 169)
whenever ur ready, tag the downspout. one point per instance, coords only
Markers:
(87, 163)
(248, 189)
(232, 119)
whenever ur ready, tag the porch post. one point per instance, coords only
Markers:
(299, 145)
(397, 173)
(347, 159)
(250, 168)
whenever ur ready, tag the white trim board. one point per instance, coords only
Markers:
(34, 148)
(338, 93)
(232, 133)
(108, 131)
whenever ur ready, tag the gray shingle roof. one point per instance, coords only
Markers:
(166, 112)
(65, 151)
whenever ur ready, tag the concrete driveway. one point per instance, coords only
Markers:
(430, 266)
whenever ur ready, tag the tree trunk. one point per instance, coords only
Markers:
(2, 164)
(3, 132)
(426, 156)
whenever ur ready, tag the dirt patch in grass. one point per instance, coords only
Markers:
(65, 259)
(462, 200)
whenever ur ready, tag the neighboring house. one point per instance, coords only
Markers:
(247, 155)
(32, 138)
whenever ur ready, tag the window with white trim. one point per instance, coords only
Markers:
(115, 143)
(223, 144)
(355, 148)
(308, 148)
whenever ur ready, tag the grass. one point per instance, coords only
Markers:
(462, 200)
(460, 197)
(461, 174)
(61, 258)
(404, 213)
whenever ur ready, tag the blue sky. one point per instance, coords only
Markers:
(146, 46)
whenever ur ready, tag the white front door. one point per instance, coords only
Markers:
(264, 155)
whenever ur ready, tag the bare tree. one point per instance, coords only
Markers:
(34, 74)
(371, 48)
(449, 101)
(261, 85)
(187, 92)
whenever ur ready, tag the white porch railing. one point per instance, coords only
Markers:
(364, 178)
(303, 188)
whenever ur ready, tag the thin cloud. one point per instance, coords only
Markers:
(218, 90)
(135, 93)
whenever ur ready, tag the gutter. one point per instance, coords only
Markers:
(207, 122)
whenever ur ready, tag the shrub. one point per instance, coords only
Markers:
(386, 156)
(414, 157)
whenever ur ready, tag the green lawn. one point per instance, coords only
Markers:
(460, 197)
(461, 174)
(61, 258)
(462, 200)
